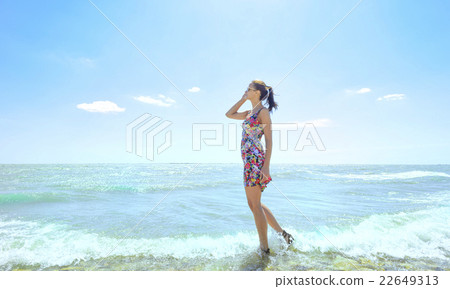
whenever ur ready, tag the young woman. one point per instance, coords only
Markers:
(256, 162)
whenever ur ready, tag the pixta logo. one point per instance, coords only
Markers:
(201, 135)
(141, 134)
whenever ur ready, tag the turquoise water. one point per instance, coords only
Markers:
(107, 217)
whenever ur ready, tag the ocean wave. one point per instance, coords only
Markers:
(419, 234)
(68, 192)
(32, 197)
(31, 243)
(146, 186)
(390, 176)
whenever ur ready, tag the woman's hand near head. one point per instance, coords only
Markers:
(232, 112)
(245, 96)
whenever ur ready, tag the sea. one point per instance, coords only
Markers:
(188, 216)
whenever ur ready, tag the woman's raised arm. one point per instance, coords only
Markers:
(233, 114)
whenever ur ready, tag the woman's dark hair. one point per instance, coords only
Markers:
(266, 94)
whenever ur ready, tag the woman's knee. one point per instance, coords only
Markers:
(250, 204)
(253, 204)
(253, 198)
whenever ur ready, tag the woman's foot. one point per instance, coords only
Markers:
(263, 252)
(287, 237)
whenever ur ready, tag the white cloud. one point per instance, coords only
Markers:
(359, 91)
(395, 96)
(84, 61)
(162, 100)
(101, 106)
(321, 122)
(364, 90)
(194, 89)
(77, 61)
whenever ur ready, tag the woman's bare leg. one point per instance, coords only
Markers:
(254, 202)
(274, 224)
(271, 219)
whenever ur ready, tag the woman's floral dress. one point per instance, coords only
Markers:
(252, 152)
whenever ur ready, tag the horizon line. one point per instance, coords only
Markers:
(157, 163)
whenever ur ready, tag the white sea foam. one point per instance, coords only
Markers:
(417, 234)
(423, 233)
(390, 176)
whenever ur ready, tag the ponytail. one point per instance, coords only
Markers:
(266, 94)
(270, 101)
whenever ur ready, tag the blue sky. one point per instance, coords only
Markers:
(376, 88)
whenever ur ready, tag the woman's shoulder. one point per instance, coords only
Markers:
(265, 110)
(263, 114)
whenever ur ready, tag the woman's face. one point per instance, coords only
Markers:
(252, 93)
